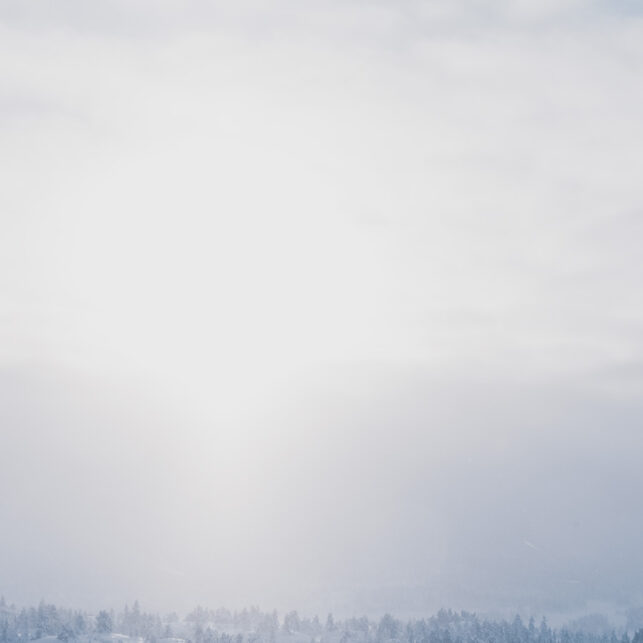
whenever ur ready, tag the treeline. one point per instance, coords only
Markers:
(20, 625)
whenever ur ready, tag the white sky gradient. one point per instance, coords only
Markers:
(301, 300)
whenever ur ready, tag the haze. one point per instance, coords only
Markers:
(321, 305)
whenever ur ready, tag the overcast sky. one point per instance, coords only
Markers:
(327, 304)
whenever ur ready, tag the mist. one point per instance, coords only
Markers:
(322, 306)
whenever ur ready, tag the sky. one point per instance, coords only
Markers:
(321, 305)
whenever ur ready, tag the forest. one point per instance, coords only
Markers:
(252, 625)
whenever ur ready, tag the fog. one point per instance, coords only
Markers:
(321, 306)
